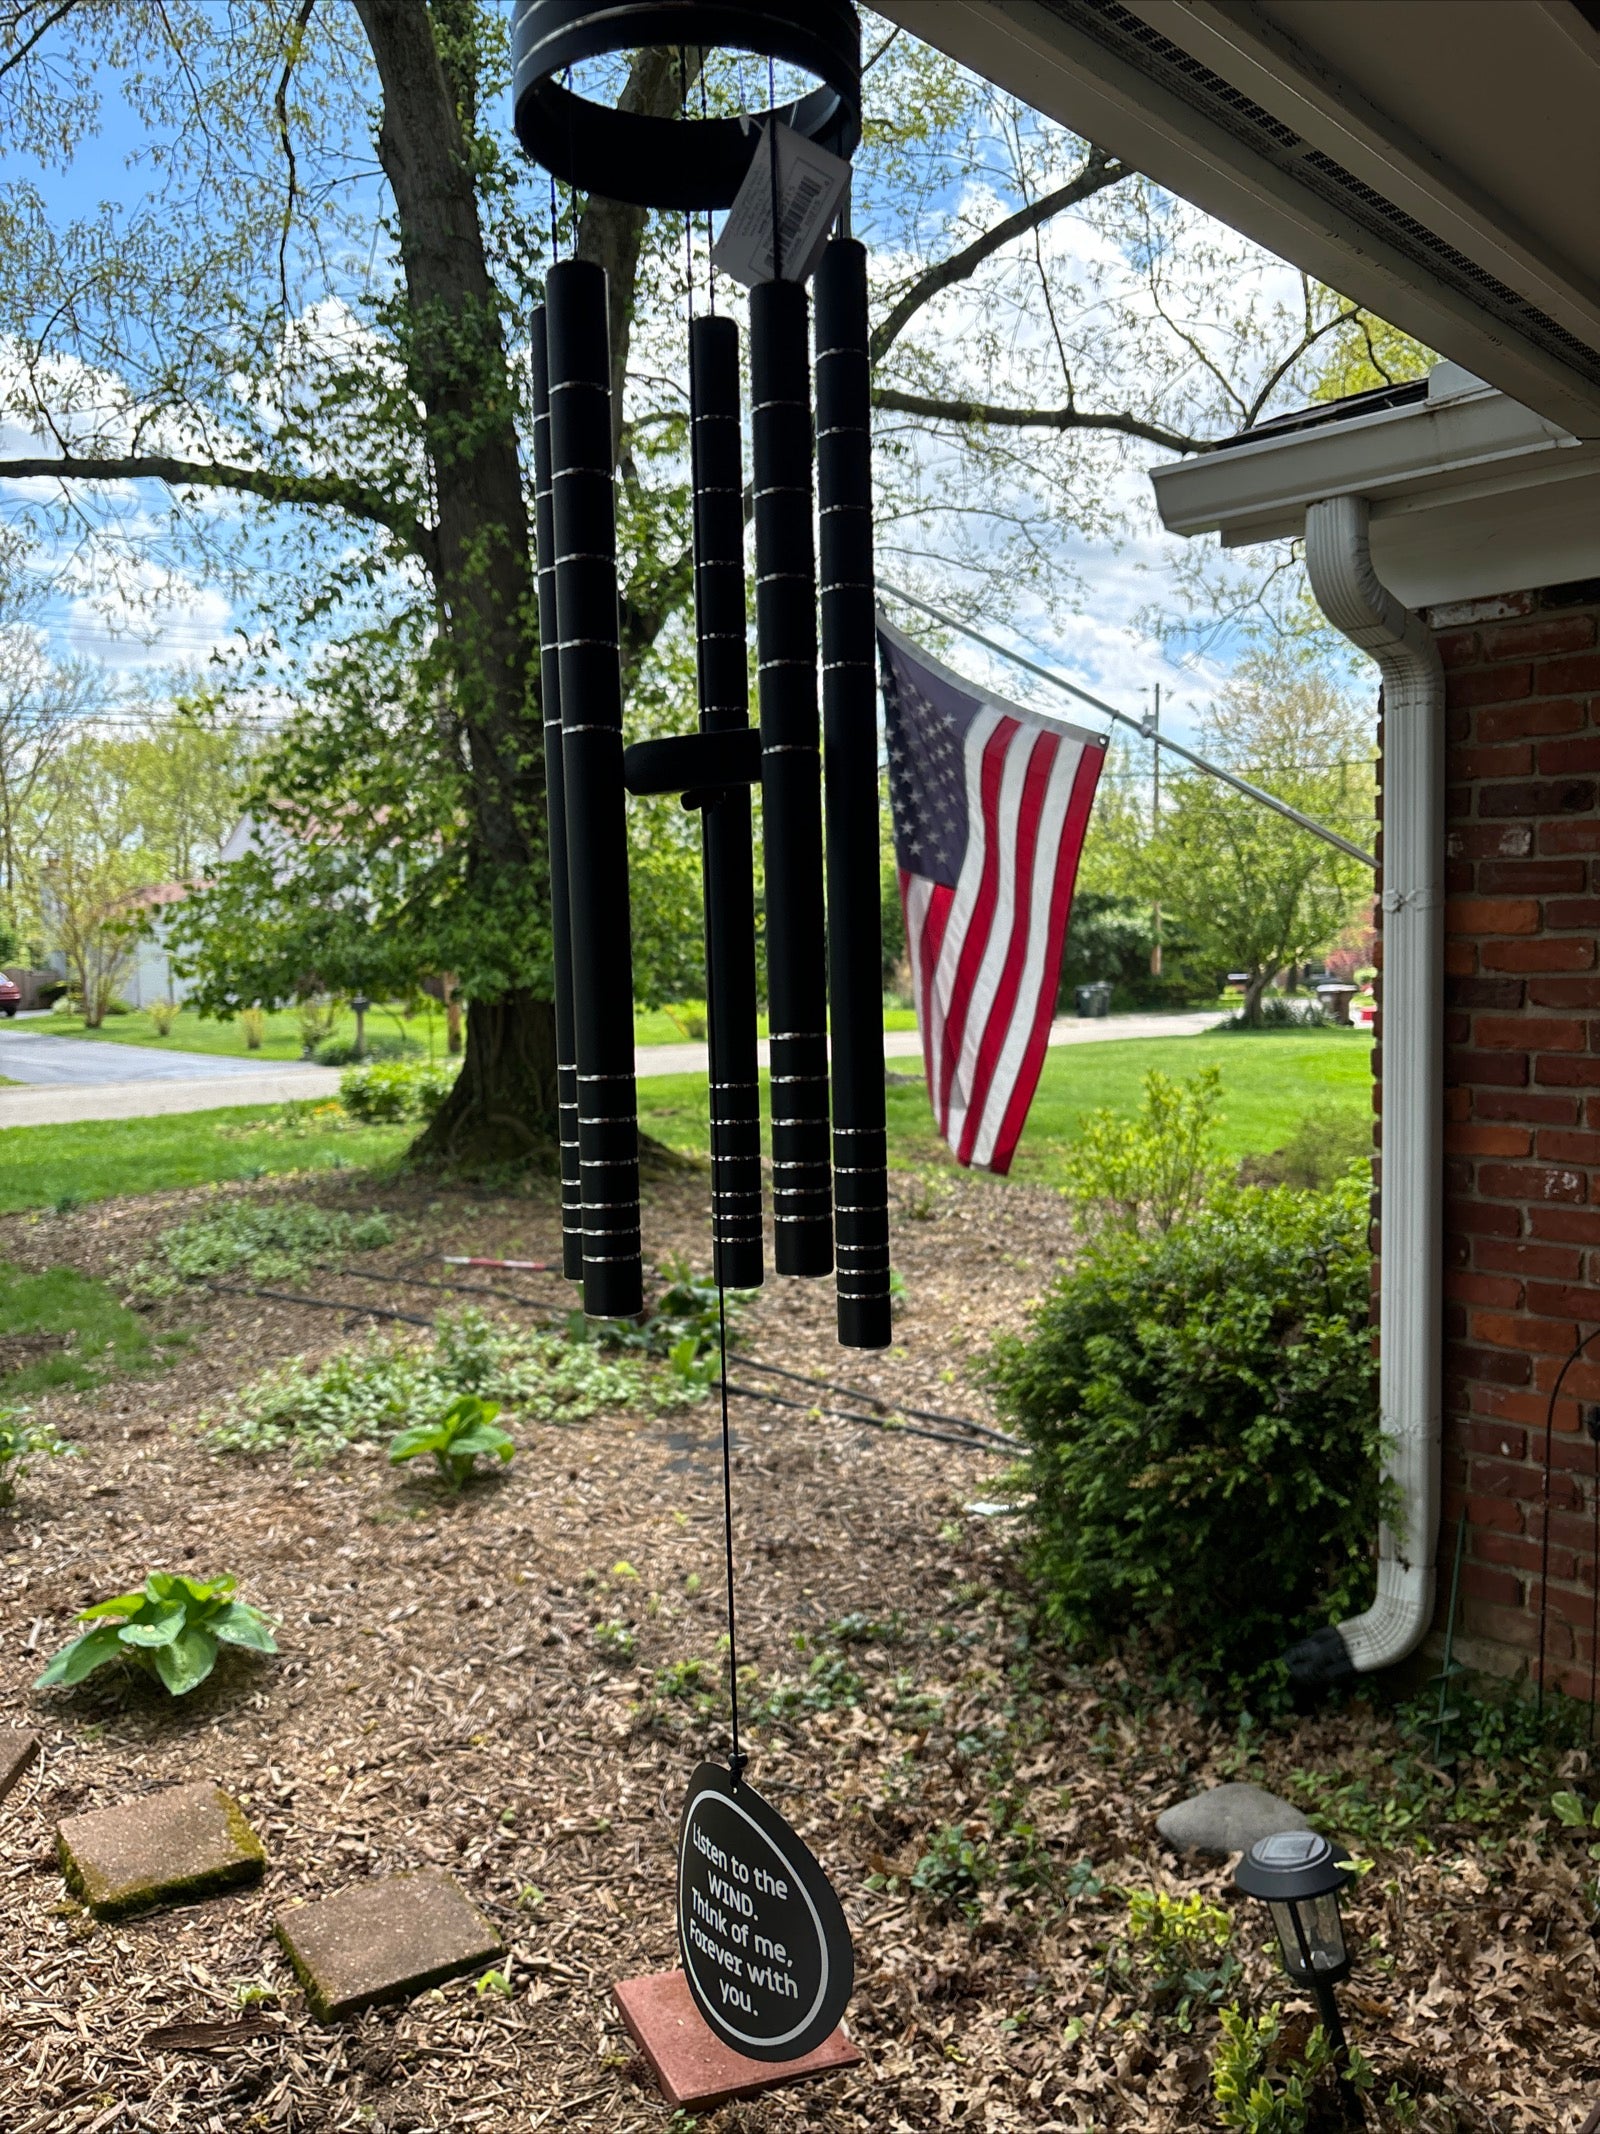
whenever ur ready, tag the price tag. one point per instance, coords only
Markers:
(766, 1950)
(811, 183)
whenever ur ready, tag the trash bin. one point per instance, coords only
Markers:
(1093, 999)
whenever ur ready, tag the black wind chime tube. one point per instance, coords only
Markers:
(791, 781)
(556, 813)
(585, 549)
(850, 761)
(718, 467)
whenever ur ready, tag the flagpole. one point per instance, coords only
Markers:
(1142, 727)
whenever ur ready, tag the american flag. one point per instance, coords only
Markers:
(990, 805)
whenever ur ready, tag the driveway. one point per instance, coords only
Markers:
(79, 1063)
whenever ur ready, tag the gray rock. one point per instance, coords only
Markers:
(1227, 1819)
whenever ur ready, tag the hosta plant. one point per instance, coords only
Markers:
(172, 1627)
(466, 1432)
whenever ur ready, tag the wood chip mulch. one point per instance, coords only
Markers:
(442, 1699)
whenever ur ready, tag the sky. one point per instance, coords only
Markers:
(1099, 633)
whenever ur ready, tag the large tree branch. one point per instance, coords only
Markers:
(327, 492)
(1070, 417)
(1098, 172)
(35, 36)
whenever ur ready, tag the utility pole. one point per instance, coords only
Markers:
(1155, 817)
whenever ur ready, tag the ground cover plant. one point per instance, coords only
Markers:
(1268, 1087)
(1201, 1410)
(514, 1686)
(61, 1329)
(262, 1241)
(172, 1627)
(96, 1159)
(359, 1395)
(24, 1442)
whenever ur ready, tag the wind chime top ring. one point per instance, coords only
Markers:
(688, 163)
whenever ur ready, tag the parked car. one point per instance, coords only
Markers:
(10, 995)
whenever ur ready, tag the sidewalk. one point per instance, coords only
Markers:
(103, 1088)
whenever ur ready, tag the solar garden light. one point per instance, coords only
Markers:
(1299, 1876)
(361, 1004)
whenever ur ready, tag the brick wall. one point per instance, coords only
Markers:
(1522, 1114)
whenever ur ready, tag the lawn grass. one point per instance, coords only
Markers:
(64, 1166)
(196, 1033)
(106, 1339)
(193, 1033)
(1270, 1082)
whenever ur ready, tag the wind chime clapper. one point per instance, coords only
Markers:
(823, 947)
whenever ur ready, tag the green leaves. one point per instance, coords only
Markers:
(1201, 1411)
(171, 1627)
(21, 1443)
(465, 1433)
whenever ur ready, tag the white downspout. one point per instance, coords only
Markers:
(1410, 1195)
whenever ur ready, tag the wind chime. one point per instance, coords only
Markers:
(747, 1885)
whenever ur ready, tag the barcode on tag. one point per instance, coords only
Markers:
(810, 185)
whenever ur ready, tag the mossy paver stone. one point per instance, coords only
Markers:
(695, 2070)
(169, 1848)
(17, 1751)
(383, 1941)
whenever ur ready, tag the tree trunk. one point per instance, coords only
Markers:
(503, 1108)
(504, 1099)
(1259, 980)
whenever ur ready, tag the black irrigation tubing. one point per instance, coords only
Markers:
(873, 1422)
(923, 1415)
(317, 1304)
(420, 1281)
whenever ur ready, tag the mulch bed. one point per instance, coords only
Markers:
(442, 1699)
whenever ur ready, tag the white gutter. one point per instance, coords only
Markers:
(1350, 595)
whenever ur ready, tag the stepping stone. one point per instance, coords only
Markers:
(17, 1751)
(383, 1941)
(696, 2071)
(1227, 1819)
(169, 1848)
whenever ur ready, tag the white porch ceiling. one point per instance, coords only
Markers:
(1436, 160)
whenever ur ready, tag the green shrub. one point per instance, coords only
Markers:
(1144, 1174)
(384, 1045)
(1316, 1155)
(21, 1443)
(171, 1628)
(466, 1431)
(270, 1241)
(387, 1091)
(1201, 1412)
(362, 1394)
(253, 1022)
(163, 1014)
(1263, 2086)
(1179, 1952)
(318, 1018)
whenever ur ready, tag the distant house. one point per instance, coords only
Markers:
(152, 976)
